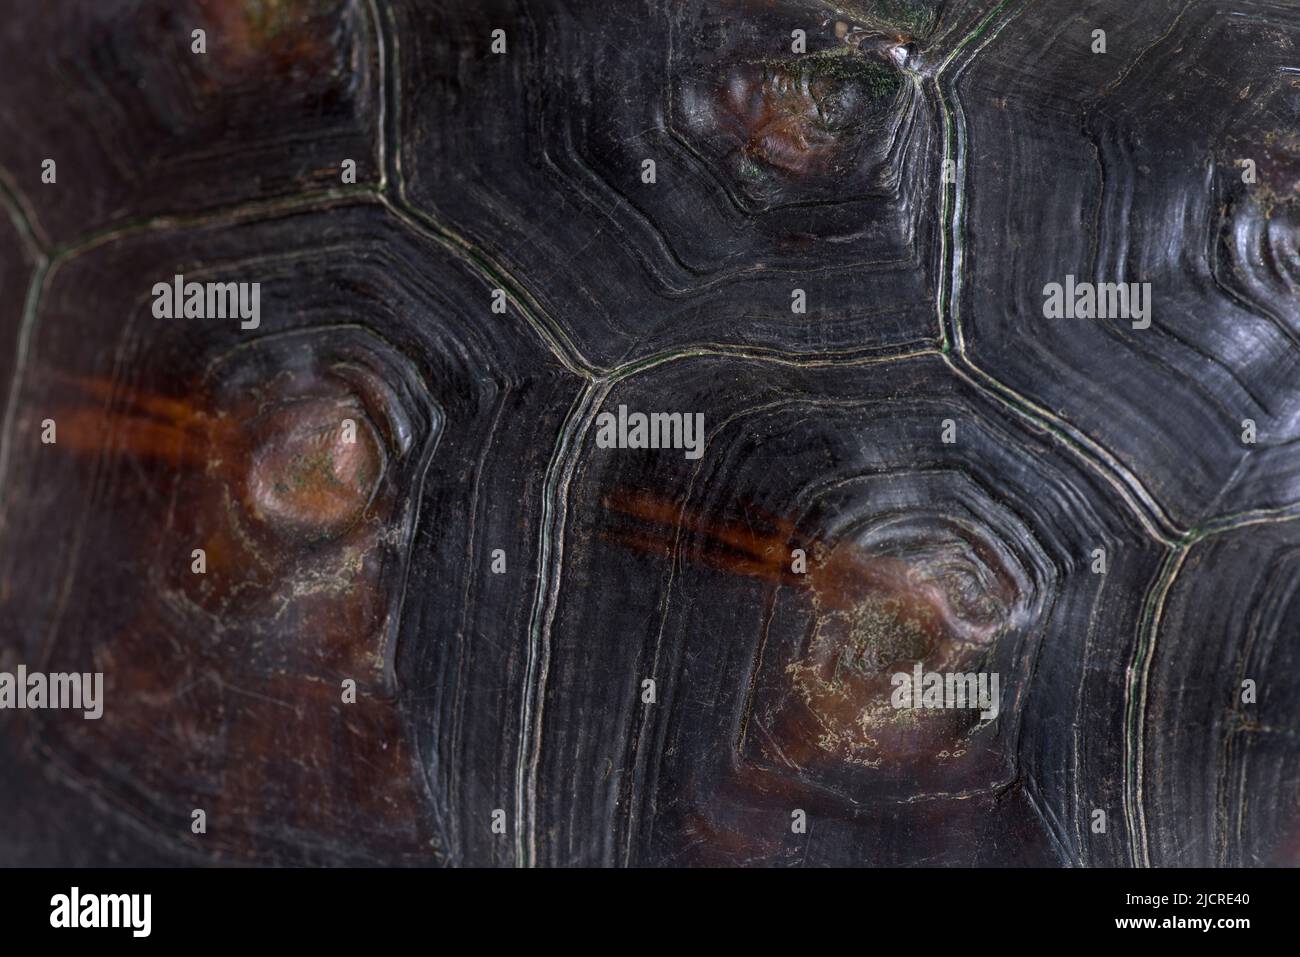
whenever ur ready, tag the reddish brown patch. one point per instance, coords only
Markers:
(874, 615)
(277, 34)
(314, 468)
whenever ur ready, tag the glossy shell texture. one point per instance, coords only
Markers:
(564, 653)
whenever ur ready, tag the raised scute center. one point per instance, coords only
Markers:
(312, 474)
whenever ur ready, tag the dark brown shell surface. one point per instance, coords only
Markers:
(438, 620)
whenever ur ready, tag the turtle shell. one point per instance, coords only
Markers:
(539, 432)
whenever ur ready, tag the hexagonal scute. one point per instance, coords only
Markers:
(343, 473)
(661, 176)
(168, 109)
(1123, 176)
